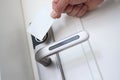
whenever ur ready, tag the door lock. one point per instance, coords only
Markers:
(42, 55)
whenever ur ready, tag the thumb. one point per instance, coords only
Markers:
(59, 7)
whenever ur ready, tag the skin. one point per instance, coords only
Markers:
(75, 8)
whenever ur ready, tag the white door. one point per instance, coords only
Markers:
(95, 59)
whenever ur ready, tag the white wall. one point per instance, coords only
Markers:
(14, 52)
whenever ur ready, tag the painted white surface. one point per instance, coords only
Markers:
(75, 60)
(30, 9)
(15, 62)
(79, 62)
(103, 24)
(104, 28)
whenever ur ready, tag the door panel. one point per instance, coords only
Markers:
(74, 60)
(104, 32)
(95, 59)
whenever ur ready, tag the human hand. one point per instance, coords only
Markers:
(73, 7)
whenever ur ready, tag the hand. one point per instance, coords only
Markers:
(73, 7)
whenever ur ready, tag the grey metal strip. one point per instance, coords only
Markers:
(64, 42)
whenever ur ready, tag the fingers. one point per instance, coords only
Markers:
(72, 8)
(58, 7)
(92, 4)
(68, 9)
(82, 11)
(54, 13)
(74, 2)
(76, 11)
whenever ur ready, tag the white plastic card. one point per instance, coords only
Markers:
(41, 23)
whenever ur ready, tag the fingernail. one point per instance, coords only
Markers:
(53, 14)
